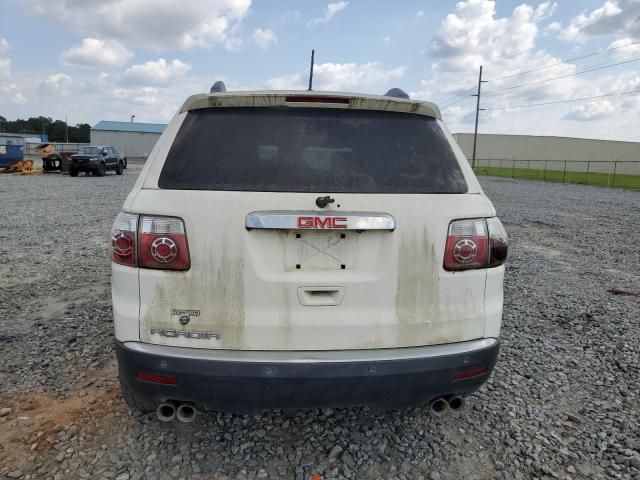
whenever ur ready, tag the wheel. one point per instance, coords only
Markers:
(135, 402)
(119, 168)
(99, 172)
(73, 172)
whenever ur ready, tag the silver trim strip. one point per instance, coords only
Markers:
(311, 357)
(315, 220)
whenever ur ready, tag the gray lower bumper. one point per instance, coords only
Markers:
(248, 380)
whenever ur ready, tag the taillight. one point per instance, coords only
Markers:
(150, 242)
(163, 243)
(498, 242)
(123, 239)
(475, 243)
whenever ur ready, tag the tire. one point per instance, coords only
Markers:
(136, 403)
(99, 172)
(73, 172)
(119, 168)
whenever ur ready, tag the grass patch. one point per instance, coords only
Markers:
(584, 178)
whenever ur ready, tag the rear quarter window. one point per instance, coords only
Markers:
(311, 150)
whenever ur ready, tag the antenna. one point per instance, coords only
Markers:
(311, 70)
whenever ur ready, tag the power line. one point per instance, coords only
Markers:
(466, 97)
(565, 61)
(612, 94)
(559, 77)
(455, 99)
(467, 93)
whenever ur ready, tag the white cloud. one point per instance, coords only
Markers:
(613, 17)
(419, 13)
(631, 50)
(5, 68)
(264, 38)
(138, 95)
(97, 96)
(12, 92)
(5, 63)
(554, 27)
(368, 77)
(157, 72)
(329, 13)
(57, 85)
(233, 44)
(475, 35)
(153, 24)
(544, 11)
(93, 52)
(595, 110)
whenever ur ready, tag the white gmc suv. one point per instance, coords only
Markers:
(291, 249)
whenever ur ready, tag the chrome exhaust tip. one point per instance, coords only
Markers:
(166, 412)
(457, 403)
(186, 413)
(439, 407)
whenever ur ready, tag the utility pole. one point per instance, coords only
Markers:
(475, 132)
(66, 129)
(311, 70)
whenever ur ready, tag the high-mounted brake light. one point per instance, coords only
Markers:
(318, 99)
(150, 242)
(475, 243)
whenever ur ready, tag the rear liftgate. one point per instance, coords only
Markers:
(317, 242)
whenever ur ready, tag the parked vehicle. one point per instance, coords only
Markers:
(96, 160)
(305, 249)
(122, 157)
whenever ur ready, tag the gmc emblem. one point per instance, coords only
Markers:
(319, 222)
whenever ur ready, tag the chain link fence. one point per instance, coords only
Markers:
(608, 173)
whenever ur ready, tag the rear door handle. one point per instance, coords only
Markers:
(320, 296)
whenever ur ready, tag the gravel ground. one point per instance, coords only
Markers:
(564, 400)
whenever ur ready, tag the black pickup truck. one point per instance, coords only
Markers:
(96, 160)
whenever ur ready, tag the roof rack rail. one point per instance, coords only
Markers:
(397, 93)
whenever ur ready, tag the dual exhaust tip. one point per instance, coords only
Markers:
(186, 412)
(441, 406)
(169, 411)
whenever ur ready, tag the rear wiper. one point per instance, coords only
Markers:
(322, 202)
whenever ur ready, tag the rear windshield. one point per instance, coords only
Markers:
(311, 150)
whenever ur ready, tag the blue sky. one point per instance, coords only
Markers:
(109, 59)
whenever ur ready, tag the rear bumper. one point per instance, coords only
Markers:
(244, 381)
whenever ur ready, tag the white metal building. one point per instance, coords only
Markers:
(529, 151)
(133, 139)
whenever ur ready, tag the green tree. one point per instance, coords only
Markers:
(55, 129)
